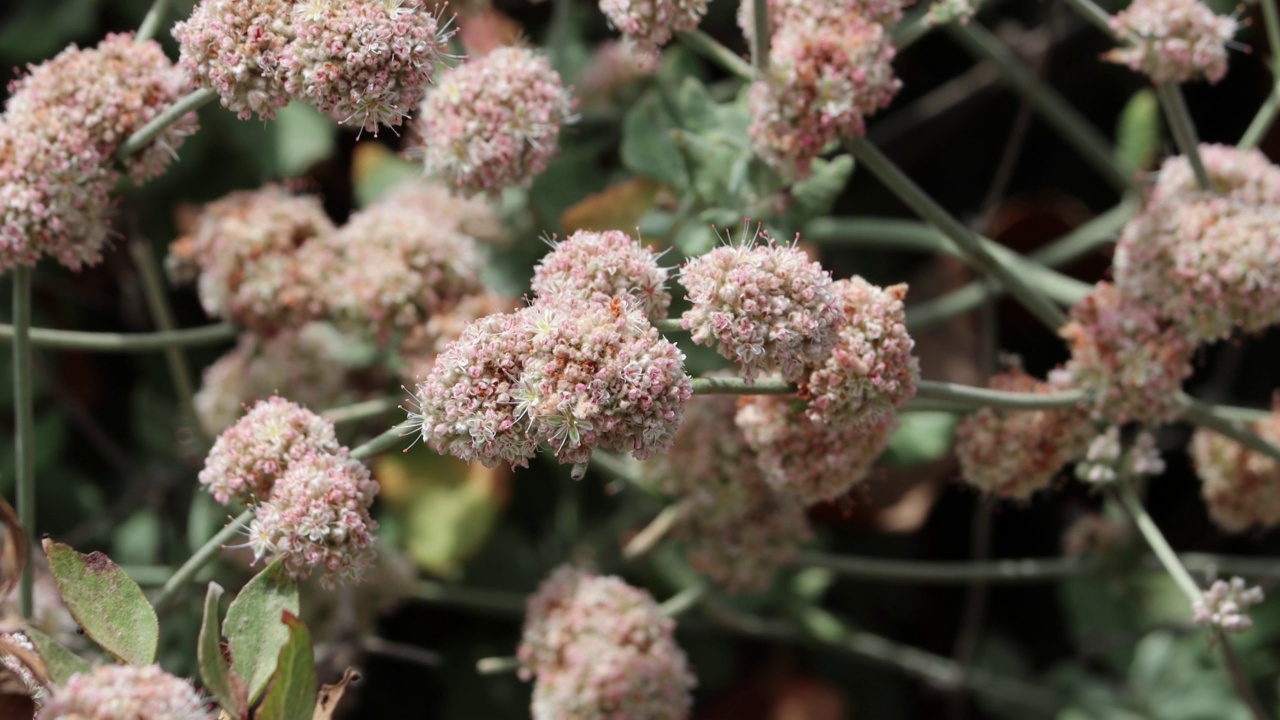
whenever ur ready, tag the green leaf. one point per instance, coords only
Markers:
(647, 148)
(293, 694)
(218, 678)
(815, 195)
(696, 107)
(106, 603)
(922, 437)
(136, 541)
(304, 136)
(253, 628)
(1138, 132)
(61, 662)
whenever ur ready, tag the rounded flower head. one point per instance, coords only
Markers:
(1013, 453)
(600, 266)
(1245, 175)
(597, 680)
(870, 373)
(810, 461)
(249, 457)
(318, 518)
(235, 48)
(1241, 487)
(650, 24)
(113, 692)
(474, 217)
(1173, 40)
(494, 121)
(248, 247)
(825, 76)
(787, 12)
(766, 306)
(366, 62)
(97, 98)
(574, 375)
(419, 349)
(1130, 361)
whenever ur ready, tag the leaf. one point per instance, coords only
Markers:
(253, 628)
(14, 554)
(106, 603)
(697, 108)
(1138, 132)
(293, 694)
(228, 688)
(922, 437)
(304, 136)
(61, 662)
(647, 147)
(618, 207)
(331, 695)
(815, 195)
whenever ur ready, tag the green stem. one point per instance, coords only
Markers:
(924, 572)
(976, 253)
(143, 137)
(760, 35)
(652, 534)
(668, 325)
(199, 560)
(496, 602)
(558, 33)
(362, 410)
(683, 601)
(912, 27)
(155, 17)
(1239, 674)
(24, 423)
(497, 665)
(1183, 129)
(123, 342)
(1155, 539)
(377, 445)
(711, 49)
(1219, 421)
(738, 386)
(1262, 121)
(979, 397)
(1094, 14)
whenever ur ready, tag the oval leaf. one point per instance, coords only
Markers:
(253, 629)
(293, 694)
(229, 689)
(61, 662)
(106, 603)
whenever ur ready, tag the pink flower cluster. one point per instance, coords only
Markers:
(361, 61)
(419, 349)
(650, 24)
(765, 306)
(827, 72)
(1241, 487)
(1226, 605)
(494, 121)
(1013, 453)
(311, 499)
(600, 266)
(112, 692)
(737, 530)
(572, 374)
(1173, 40)
(61, 128)
(786, 12)
(601, 649)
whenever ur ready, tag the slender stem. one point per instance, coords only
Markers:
(976, 253)
(1060, 288)
(154, 19)
(652, 534)
(497, 665)
(385, 441)
(914, 26)
(975, 601)
(711, 49)
(496, 602)
(1132, 504)
(24, 422)
(738, 386)
(162, 314)
(1183, 129)
(199, 560)
(978, 397)
(123, 342)
(140, 139)
(362, 410)
(1206, 415)
(683, 601)
(1263, 120)
(668, 325)
(1239, 675)
(558, 33)
(1094, 14)
(760, 35)
(375, 645)
(1271, 19)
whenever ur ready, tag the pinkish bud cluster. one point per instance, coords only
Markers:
(1226, 605)
(870, 373)
(650, 24)
(61, 128)
(765, 306)
(1246, 175)
(1130, 361)
(813, 462)
(234, 47)
(113, 692)
(366, 62)
(737, 530)
(494, 121)
(825, 76)
(419, 349)
(601, 649)
(1013, 453)
(1241, 487)
(571, 374)
(435, 202)
(788, 12)
(1173, 40)
(600, 266)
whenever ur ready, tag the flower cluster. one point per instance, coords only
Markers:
(1226, 604)
(1173, 40)
(494, 121)
(1132, 361)
(474, 217)
(870, 373)
(737, 529)
(311, 499)
(112, 692)
(766, 306)
(787, 12)
(600, 266)
(601, 649)
(367, 61)
(419, 349)
(1107, 460)
(825, 75)
(811, 461)
(1013, 453)
(650, 24)
(574, 375)
(1241, 486)
(61, 128)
